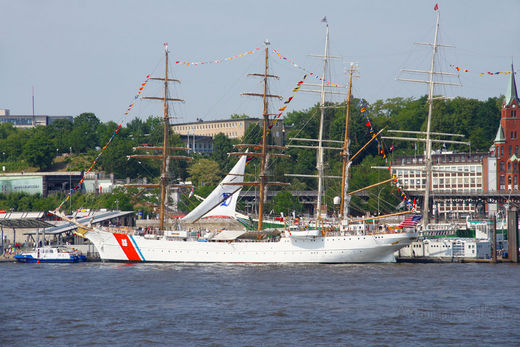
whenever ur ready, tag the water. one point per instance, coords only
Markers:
(256, 305)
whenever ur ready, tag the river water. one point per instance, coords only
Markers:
(258, 305)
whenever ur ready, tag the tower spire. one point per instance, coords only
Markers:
(511, 88)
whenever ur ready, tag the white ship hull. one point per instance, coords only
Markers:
(319, 249)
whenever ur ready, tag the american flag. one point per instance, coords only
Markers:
(410, 222)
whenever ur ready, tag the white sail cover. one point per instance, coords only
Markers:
(223, 199)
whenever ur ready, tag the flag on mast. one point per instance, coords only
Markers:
(436, 7)
(324, 19)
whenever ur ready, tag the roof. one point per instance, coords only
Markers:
(95, 218)
(38, 173)
(500, 135)
(511, 88)
(23, 220)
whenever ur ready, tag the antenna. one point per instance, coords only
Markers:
(33, 105)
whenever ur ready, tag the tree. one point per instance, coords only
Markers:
(38, 151)
(59, 133)
(115, 159)
(84, 132)
(253, 134)
(204, 172)
(239, 116)
(222, 145)
(285, 202)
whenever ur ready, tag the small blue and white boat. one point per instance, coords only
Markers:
(49, 254)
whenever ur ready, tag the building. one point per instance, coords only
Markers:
(50, 183)
(29, 121)
(451, 171)
(504, 151)
(198, 143)
(232, 128)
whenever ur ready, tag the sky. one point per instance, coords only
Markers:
(92, 56)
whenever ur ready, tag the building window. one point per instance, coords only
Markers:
(502, 166)
(510, 150)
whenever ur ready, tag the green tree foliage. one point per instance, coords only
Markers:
(253, 134)
(204, 172)
(59, 133)
(38, 150)
(115, 159)
(285, 202)
(222, 145)
(239, 116)
(84, 134)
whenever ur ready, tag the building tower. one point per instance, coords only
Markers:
(507, 140)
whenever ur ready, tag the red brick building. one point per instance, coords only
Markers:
(507, 141)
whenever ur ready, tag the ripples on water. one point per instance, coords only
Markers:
(229, 305)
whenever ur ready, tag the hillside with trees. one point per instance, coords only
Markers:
(65, 145)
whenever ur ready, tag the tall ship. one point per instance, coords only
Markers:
(323, 242)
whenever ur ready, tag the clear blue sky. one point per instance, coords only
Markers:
(91, 56)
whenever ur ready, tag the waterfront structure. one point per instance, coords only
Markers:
(29, 121)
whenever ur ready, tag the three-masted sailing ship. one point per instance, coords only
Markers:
(285, 245)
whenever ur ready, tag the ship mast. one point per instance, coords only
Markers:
(319, 157)
(165, 149)
(343, 208)
(428, 142)
(264, 150)
(320, 141)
